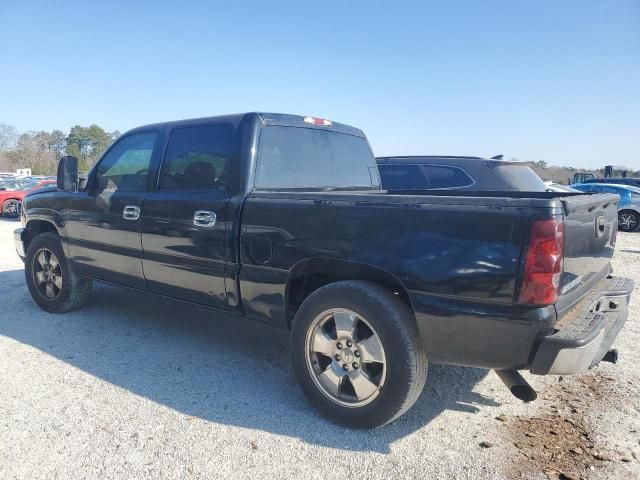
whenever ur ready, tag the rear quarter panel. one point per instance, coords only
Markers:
(458, 247)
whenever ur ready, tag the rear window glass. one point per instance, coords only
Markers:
(403, 177)
(520, 177)
(294, 157)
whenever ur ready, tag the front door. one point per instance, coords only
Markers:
(103, 221)
(185, 220)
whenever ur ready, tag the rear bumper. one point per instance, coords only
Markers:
(19, 237)
(584, 334)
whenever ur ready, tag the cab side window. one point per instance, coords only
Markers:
(196, 158)
(126, 166)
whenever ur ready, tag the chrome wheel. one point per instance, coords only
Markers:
(11, 208)
(627, 221)
(47, 273)
(345, 357)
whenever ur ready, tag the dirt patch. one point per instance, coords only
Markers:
(558, 442)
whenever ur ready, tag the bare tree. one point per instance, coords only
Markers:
(8, 137)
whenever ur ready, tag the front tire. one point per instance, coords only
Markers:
(357, 353)
(628, 220)
(53, 285)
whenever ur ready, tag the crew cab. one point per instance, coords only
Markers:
(281, 219)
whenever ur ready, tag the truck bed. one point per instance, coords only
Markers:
(452, 253)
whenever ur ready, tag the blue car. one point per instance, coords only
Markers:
(629, 206)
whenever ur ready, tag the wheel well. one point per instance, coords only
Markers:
(309, 275)
(37, 227)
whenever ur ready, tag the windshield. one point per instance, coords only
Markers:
(520, 177)
(15, 184)
(37, 186)
(294, 157)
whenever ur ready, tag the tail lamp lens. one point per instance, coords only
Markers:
(544, 256)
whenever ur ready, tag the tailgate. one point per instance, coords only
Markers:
(591, 224)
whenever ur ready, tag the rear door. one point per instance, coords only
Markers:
(591, 224)
(185, 219)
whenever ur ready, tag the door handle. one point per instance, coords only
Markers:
(204, 218)
(131, 212)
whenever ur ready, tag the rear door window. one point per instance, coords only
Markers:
(196, 158)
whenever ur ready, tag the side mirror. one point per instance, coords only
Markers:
(68, 174)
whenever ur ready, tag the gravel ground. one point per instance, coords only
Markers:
(133, 386)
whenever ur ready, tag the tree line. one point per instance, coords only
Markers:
(40, 151)
(564, 175)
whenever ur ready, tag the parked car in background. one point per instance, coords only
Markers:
(628, 207)
(14, 183)
(634, 182)
(11, 200)
(282, 219)
(416, 174)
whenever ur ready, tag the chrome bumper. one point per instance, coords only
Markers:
(584, 337)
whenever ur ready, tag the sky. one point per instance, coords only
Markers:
(538, 80)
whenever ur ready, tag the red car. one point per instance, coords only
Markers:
(11, 200)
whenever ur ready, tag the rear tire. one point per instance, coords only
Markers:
(367, 378)
(628, 220)
(53, 285)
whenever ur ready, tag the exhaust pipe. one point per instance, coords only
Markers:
(517, 385)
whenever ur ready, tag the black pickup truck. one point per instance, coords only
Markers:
(281, 219)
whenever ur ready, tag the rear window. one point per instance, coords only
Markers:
(520, 177)
(294, 157)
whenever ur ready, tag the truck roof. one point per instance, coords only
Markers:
(264, 118)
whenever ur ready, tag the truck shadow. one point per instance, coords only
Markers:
(203, 364)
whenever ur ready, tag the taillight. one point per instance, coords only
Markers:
(544, 256)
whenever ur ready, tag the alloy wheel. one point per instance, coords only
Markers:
(345, 357)
(47, 273)
(11, 208)
(628, 221)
